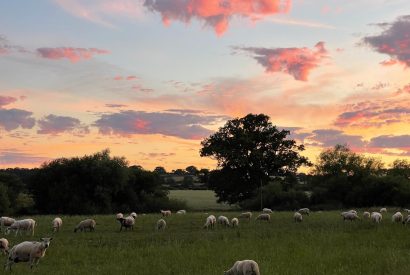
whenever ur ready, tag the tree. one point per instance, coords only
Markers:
(401, 167)
(249, 151)
(160, 170)
(192, 170)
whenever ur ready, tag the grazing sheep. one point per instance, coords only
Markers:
(383, 210)
(28, 252)
(352, 211)
(246, 215)
(5, 221)
(406, 220)
(406, 210)
(267, 210)
(223, 220)
(210, 222)
(350, 216)
(161, 224)
(366, 215)
(119, 216)
(183, 212)
(397, 217)
(235, 222)
(4, 246)
(376, 217)
(57, 223)
(245, 267)
(127, 223)
(134, 215)
(166, 213)
(298, 217)
(20, 225)
(85, 224)
(263, 217)
(304, 211)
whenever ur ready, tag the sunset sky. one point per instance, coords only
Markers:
(149, 79)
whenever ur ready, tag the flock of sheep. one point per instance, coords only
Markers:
(32, 251)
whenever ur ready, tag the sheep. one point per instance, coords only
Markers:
(235, 222)
(376, 217)
(4, 246)
(183, 212)
(161, 224)
(83, 225)
(134, 215)
(223, 220)
(245, 267)
(5, 221)
(166, 213)
(119, 216)
(298, 217)
(366, 215)
(351, 216)
(210, 222)
(20, 225)
(304, 211)
(406, 220)
(383, 210)
(263, 217)
(352, 211)
(246, 215)
(57, 223)
(406, 210)
(267, 210)
(127, 223)
(28, 252)
(397, 217)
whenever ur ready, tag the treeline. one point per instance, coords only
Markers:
(91, 184)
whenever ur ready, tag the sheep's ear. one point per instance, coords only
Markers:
(51, 238)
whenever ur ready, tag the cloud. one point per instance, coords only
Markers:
(11, 119)
(14, 157)
(216, 13)
(297, 62)
(390, 141)
(113, 105)
(331, 137)
(54, 125)
(72, 54)
(6, 100)
(127, 123)
(6, 47)
(393, 41)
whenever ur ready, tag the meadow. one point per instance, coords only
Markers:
(200, 200)
(322, 244)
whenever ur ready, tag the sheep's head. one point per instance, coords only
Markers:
(45, 242)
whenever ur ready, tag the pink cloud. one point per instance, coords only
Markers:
(216, 13)
(6, 100)
(298, 62)
(131, 77)
(72, 54)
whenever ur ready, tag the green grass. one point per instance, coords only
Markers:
(200, 199)
(321, 244)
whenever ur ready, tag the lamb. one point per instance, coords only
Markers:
(161, 224)
(28, 252)
(351, 216)
(5, 221)
(119, 216)
(397, 217)
(246, 215)
(210, 222)
(4, 246)
(267, 210)
(376, 217)
(57, 223)
(166, 213)
(304, 211)
(183, 212)
(127, 223)
(20, 225)
(134, 215)
(383, 210)
(263, 217)
(366, 215)
(235, 222)
(223, 220)
(245, 267)
(85, 224)
(298, 217)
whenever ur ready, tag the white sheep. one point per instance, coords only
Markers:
(406, 210)
(406, 220)
(376, 217)
(22, 225)
(181, 212)
(28, 252)
(127, 223)
(223, 220)
(383, 210)
(119, 216)
(4, 246)
(235, 222)
(263, 217)
(5, 221)
(304, 211)
(397, 217)
(245, 267)
(350, 216)
(134, 215)
(57, 223)
(210, 222)
(166, 213)
(366, 215)
(267, 210)
(298, 217)
(161, 224)
(246, 215)
(85, 224)
(352, 211)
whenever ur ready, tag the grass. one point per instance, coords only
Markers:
(200, 199)
(321, 244)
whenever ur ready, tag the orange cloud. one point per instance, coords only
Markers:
(72, 54)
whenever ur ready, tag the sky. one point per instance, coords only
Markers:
(150, 79)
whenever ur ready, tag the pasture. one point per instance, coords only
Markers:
(200, 199)
(321, 244)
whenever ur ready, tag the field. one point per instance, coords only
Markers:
(321, 244)
(199, 199)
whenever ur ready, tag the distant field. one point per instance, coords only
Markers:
(200, 199)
